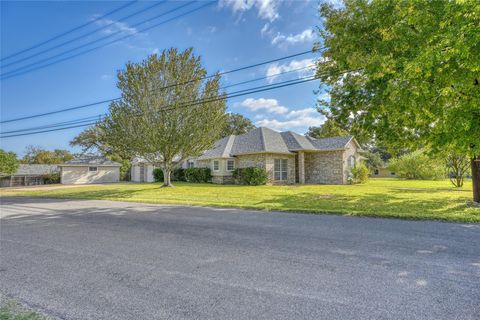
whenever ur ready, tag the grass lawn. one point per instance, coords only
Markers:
(10, 310)
(390, 198)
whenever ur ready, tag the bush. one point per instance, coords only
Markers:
(51, 178)
(252, 176)
(358, 174)
(417, 165)
(125, 170)
(158, 175)
(198, 175)
(179, 174)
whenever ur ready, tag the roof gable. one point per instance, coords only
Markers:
(259, 140)
(36, 169)
(91, 161)
(265, 140)
(332, 143)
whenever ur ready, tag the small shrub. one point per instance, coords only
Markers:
(358, 174)
(51, 178)
(179, 174)
(457, 166)
(252, 176)
(158, 175)
(198, 175)
(417, 165)
(125, 170)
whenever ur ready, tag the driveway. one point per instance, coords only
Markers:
(113, 260)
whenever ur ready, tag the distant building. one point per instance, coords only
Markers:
(383, 173)
(30, 175)
(90, 169)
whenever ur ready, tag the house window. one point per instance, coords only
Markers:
(392, 173)
(280, 169)
(351, 161)
(376, 172)
(230, 165)
(92, 168)
(216, 165)
(190, 164)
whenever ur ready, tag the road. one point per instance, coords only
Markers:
(113, 260)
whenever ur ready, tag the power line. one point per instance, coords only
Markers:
(78, 38)
(267, 77)
(166, 87)
(67, 32)
(57, 124)
(98, 116)
(19, 71)
(59, 111)
(202, 101)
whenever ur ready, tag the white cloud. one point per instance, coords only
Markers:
(294, 120)
(113, 26)
(269, 105)
(267, 9)
(302, 113)
(106, 77)
(283, 40)
(304, 67)
(265, 30)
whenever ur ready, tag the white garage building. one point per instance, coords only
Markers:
(89, 169)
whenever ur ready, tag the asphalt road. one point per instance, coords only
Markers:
(112, 260)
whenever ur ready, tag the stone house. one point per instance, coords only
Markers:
(287, 157)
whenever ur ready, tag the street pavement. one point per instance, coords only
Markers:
(73, 259)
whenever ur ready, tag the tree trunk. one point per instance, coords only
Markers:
(476, 178)
(166, 177)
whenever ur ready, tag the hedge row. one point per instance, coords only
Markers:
(198, 175)
(252, 176)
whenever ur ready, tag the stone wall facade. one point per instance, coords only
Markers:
(324, 167)
(329, 167)
(250, 160)
(261, 160)
(269, 159)
(351, 150)
(220, 176)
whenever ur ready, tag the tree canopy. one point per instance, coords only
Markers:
(38, 155)
(406, 73)
(328, 129)
(8, 163)
(169, 110)
(236, 124)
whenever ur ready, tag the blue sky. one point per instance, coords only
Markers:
(227, 35)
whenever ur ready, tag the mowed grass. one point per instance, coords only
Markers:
(10, 310)
(390, 198)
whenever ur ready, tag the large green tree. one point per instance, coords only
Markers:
(93, 140)
(236, 124)
(328, 129)
(407, 73)
(8, 163)
(38, 155)
(169, 110)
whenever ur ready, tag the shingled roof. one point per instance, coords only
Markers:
(91, 161)
(36, 169)
(265, 140)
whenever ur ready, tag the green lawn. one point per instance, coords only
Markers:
(391, 198)
(10, 310)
